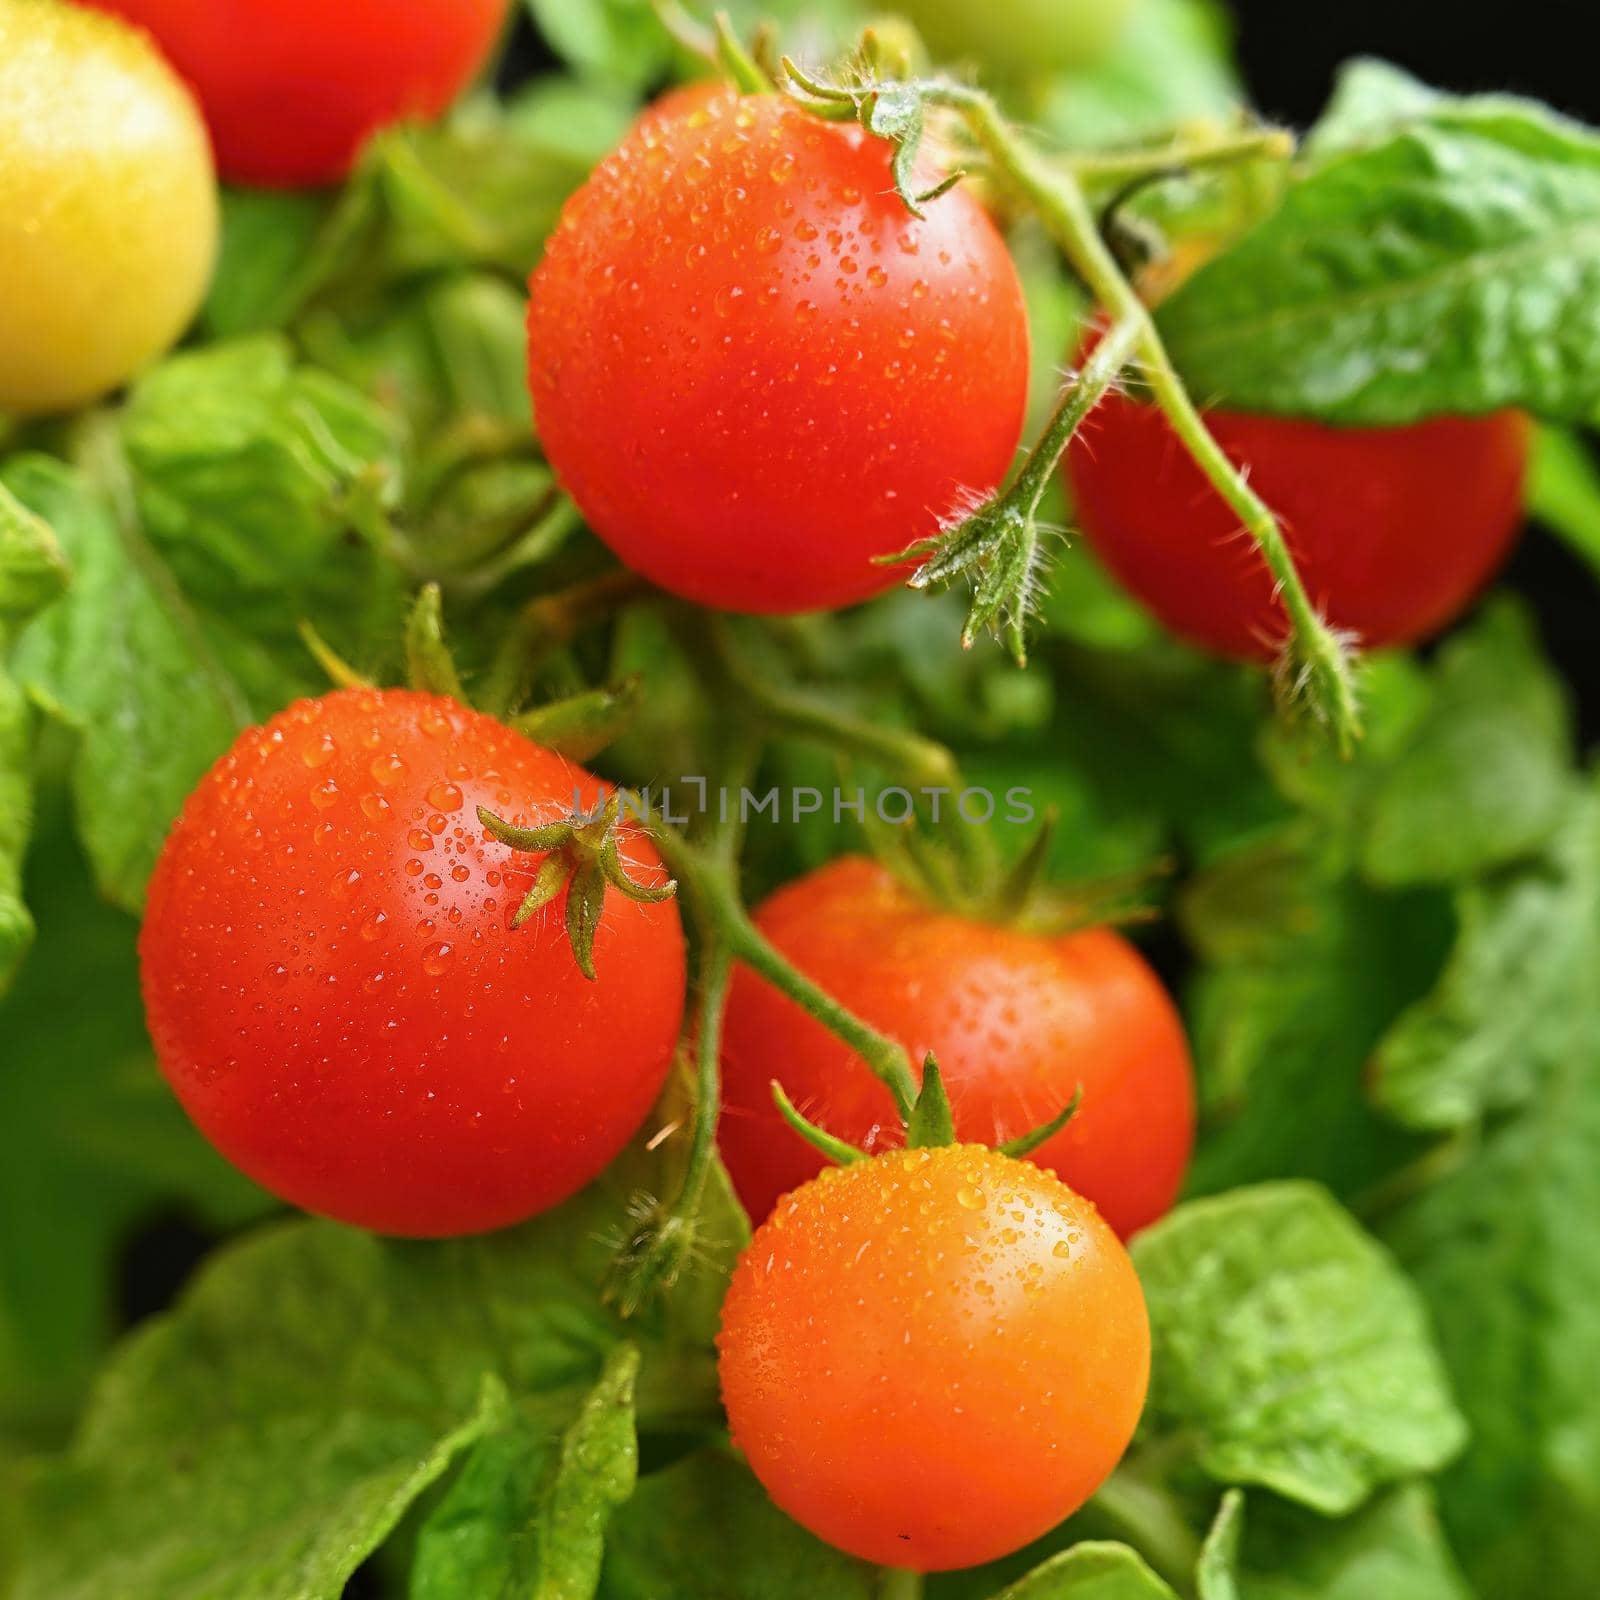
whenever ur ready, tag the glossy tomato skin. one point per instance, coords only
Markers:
(108, 206)
(1395, 530)
(931, 1358)
(755, 370)
(1017, 1022)
(338, 998)
(293, 88)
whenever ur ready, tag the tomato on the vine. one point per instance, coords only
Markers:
(1394, 530)
(1016, 1020)
(292, 88)
(755, 370)
(108, 206)
(933, 1357)
(338, 997)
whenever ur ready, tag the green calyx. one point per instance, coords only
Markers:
(583, 856)
(930, 1125)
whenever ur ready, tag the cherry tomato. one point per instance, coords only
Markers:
(1017, 1021)
(339, 1000)
(293, 88)
(931, 1358)
(108, 206)
(755, 370)
(1395, 530)
(1020, 38)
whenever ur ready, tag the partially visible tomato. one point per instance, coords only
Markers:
(108, 206)
(1019, 38)
(754, 370)
(1395, 530)
(338, 997)
(931, 1358)
(1016, 1021)
(293, 88)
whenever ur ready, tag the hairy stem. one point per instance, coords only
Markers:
(1059, 200)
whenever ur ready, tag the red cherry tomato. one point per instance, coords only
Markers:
(339, 1000)
(1394, 529)
(931, 1358)
(293, 88)
(1016, 1021)
(755, 370)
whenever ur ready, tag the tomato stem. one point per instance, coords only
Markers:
(1316, 659)
(1181, 155)
(896, 1583)
(918, 760)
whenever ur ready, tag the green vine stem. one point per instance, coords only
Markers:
(898, 1584)
(1181, 155)
(1316, 659)
(911, 756)
(1004, 533)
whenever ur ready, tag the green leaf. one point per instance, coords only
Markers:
(1564, 491)
(1172, 64)
(125, 660)
(1495, 1025)
(32, 573)
(526, 1518)
(1290, 1349)
(1091, 1571)
(92, 1142)
(704, 1529)
(1453, 265)
(1392, 1547)
(260, 1441)
(1303, 969)
(1503, 1251)
(242, 495)
(1484, 774)
(1217, 1571)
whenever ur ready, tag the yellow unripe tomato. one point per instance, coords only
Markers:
(108, 205)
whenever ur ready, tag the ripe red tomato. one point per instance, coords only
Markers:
(1394, 529)
(931, 1358)
(293, 88)
(1016, 1021)
(755, 370)
(339, 1000)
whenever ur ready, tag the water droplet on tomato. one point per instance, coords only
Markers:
(436, 959)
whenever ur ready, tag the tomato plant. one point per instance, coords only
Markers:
(108, 209)
(1018, 1022)
(292, 88)
(339, 998)
(1395, 530)
(861, 1325)
(800, 375)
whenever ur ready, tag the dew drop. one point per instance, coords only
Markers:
(375, 806)
(768, 242)
(436, 959)
(445, 797)
(420, 839)
(387, 770)
(319, 752)
(971, 1197)
(374, 927)
(325, 794)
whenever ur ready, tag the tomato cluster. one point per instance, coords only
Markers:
(758, 373)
